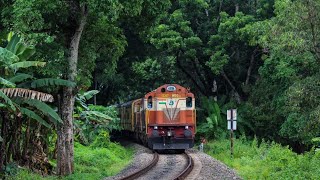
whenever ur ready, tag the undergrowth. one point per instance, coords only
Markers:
(91, 163)
(266, 160)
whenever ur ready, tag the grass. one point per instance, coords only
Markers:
(91, 163)
(266, 160)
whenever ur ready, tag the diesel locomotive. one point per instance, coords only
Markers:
(163, 119)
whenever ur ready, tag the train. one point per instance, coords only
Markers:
(163, 119)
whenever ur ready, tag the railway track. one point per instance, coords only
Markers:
(161, 170)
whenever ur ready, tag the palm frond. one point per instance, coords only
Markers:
(52, 82)
(6, 82)
(7, 100)
(27, 93)
(44, 108)
(19, 77)
(26, 64)
(34, 116)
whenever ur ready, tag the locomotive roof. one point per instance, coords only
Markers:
(170, 89)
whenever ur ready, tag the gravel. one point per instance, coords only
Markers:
(205, 167)
(211, 168)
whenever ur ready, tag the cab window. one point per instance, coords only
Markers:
(150, 102)
(189, 102)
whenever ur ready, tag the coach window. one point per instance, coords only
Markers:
(189, 102)
(150, 102)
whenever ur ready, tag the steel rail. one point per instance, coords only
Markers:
(187, 170)
(143, 170)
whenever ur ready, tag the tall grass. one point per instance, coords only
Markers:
(266, 160)
(91, 163)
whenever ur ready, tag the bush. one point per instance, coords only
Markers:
(266, 160)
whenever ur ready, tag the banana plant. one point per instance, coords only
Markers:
(14, 92)
(88, 119)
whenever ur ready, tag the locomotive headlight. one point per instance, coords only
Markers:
(187, 127)
(169, 133)
(155, 127)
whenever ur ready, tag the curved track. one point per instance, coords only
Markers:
(143, 170)
(165, 166)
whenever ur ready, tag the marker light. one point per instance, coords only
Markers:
(155, 127)
(187, 127)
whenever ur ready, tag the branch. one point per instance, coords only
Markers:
(188, 74)
(251, 65)
(238, 98)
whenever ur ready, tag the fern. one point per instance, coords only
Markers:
(20, 77)
(51, 82)
(7, 100)
(34, 116)
(43, 107)
(26, 64)
(6, 82)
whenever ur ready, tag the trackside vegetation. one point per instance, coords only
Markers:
(266, 160)
(91, 163)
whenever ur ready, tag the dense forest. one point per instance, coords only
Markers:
(59, 56)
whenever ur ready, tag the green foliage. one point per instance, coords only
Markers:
(44, 108)
(7, 101)
(92, 121)
(214, 124)
(90, 163)
(51, 82)
(263, 160)
(33, 115)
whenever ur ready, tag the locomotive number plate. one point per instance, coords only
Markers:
(168, 95)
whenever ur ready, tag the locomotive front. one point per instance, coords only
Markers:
(170, 117)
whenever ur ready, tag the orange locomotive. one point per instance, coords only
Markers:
(163, 119)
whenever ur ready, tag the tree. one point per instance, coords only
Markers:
(65, 21)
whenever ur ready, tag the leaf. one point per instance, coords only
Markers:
(97, 114)
(43, 107)
(13, 42)
(26, 64)
(7, 57)
(89, 94)
(19, 77)
(26, 54)
(20, 47)
(52, 82)
(10, 36)
(1, 139)
(7, 100)
(27, 93)
(6, 82)
(34, 116)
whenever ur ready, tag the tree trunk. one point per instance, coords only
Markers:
(251, 66)
(65, 164)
